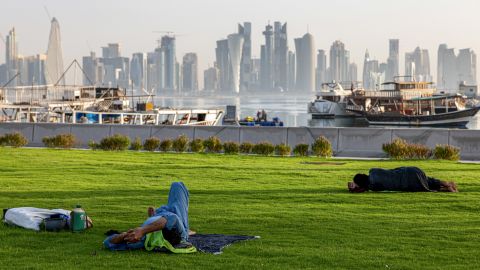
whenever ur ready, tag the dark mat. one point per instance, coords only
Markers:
(214, 243)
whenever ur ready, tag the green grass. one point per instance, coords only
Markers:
(303, 212)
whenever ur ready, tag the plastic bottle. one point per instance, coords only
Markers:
(78, 219)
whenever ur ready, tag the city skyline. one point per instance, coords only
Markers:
(38, 27)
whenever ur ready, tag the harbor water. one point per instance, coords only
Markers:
(292, 110)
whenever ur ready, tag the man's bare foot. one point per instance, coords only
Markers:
(191, 232)
(150, 211)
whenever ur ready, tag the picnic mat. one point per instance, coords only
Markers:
(215, 243)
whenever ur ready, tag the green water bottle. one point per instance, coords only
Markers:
(78, 219)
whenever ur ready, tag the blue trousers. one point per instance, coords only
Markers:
(175, 212)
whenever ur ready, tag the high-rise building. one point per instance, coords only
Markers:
(339, 62)
(321, 71)
(210, 79)
(3, 74)
(36, 69)
(159, 60)
(138, 70)
(421, 64)
(169, 48)
(305, 53)
(447, 75)
(393, 63)
(190, 72)
(467, 66)
(246, 63)
(111, 51)
(115, 69)
(54, 67)
(267, 54)
(235, 46)
(352, 72)
(371, 73)
(11, 55)
(291, 70)
(93, 70)
(280, 56)
(152, 74)
(223, 64)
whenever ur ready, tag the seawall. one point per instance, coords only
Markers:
(346, 142)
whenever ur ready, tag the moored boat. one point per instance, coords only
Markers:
(412, 104)
(331, 102)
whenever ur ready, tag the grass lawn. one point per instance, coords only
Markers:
(303, 212)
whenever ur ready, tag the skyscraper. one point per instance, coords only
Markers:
(339, 61)
(90, 66)
(115, 68)
(280, 56)
(467, 66)
(246, 63)
(291, 70)
(138, 70)
(372, 76)
(223, 64)
(169, 48)
(11, 56)
(421, 64)
(54, 67)
(190, 72)
(235, 46)
(393, 60)
(352, 72)
(321, 72)
(305, 53)
(210, 79)
(447, 75)
(267, 69)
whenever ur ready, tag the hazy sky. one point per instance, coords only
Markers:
(89, 24)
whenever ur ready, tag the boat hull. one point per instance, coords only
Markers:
(457, 118)
(324, 109)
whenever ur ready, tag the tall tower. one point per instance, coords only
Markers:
(246, 63)
(11, 54)
(305, 52)
(421, 64)
(280, 59)
(235, 46)
(223, 61)
(447, 75)
(266, 71)
(54, 68)
(169, 48)
(393, 60)
(467, 66)
(190, 72)
(339, 62)
(138, 70)
(321, 74)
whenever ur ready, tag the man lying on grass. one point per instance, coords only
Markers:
(170, 219)
(410, 179)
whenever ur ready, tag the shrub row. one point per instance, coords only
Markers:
(13, 139)
(400, 149)
(321, 147)
(65, 141)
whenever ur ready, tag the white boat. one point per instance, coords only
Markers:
(93, 105)
(331, 102)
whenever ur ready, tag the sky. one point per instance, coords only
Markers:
(88, 25)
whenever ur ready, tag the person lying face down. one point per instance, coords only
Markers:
(408, 179)
(171, 219)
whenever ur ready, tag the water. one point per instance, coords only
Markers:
(292, 110)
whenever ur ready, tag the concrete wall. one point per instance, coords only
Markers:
(346, 142)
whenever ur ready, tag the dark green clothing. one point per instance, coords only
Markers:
(401, 179)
